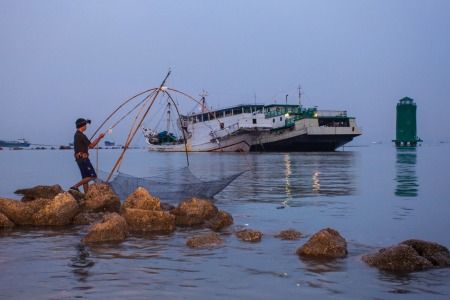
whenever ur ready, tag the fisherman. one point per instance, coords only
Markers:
(81, 145)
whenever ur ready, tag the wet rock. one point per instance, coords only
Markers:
(59, 212)
(210, 239)
(289, 234)
(194, 211)
(40, 191)
(409, 255)
(101, 198)
(78, 196)
(221, 220)
(141, 199)
(398, 257)
(249, 235)
(112, 228)
(85, 218)
(5, 221)
(326, 243)
(437, 254)
(17, 211)
(148, 220)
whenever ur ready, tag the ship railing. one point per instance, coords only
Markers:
(281, 111)
(332, 113)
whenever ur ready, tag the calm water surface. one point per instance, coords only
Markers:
(375, 196)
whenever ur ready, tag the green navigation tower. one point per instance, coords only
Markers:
(406, 123)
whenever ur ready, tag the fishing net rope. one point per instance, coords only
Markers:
(172, 186)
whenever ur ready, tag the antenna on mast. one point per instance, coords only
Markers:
(203, 95)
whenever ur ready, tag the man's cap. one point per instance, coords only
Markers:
(81, 122)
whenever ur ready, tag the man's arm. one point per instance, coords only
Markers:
(95, 142)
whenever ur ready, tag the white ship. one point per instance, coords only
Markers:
(231, 129)
(258, 127)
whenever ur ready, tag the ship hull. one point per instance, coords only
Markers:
(240, 143)
(318, 133)
(304, 143)
(14, 144)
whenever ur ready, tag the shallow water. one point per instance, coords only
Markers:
(374, 196)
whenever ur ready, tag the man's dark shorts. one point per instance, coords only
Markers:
(86, 168)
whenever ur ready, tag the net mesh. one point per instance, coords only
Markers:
(172, 186)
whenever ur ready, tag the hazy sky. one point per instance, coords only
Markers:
(61, 60)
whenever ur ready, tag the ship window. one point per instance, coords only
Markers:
(273, 120)
(227, 113)
(254, 121)
(237, 111)
(281, 118)
(247, 110)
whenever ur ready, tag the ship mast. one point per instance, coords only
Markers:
(203, 95)
(168, 116)
(299, 95)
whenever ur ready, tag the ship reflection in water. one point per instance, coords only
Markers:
(298, 176)
(406, 177)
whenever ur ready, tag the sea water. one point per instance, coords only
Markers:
(374, 196)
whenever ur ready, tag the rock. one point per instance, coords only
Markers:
(59, 212)
(326, 243)
(85, 218)
(5, 221)
(289, 234)
(221, 220)
(141, 199)
(399, 257)
(78, 196)
(17, 211)
(101, 198)
(148, 220)
(409, 255)
(37, 204)
(112, 228)
(40, 191)
(210, 239)
(437, 254)
(194, 211)
(249, 235)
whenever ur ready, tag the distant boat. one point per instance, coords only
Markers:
(20, 143)
(110, 143)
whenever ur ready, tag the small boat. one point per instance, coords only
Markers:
(19, 143)
(110, 143)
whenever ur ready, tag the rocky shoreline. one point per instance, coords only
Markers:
(110, 220)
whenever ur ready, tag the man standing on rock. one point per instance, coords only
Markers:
(81, 145)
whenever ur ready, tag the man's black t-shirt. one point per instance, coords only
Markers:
(81, 142)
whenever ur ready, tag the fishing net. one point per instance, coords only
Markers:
(172, 186)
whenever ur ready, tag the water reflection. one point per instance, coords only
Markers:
(81, 263)
(322, 265)
(287, 174)
(290, 176)
(406, 177)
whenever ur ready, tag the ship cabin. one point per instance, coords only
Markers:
(333, 118)
(224, 113)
